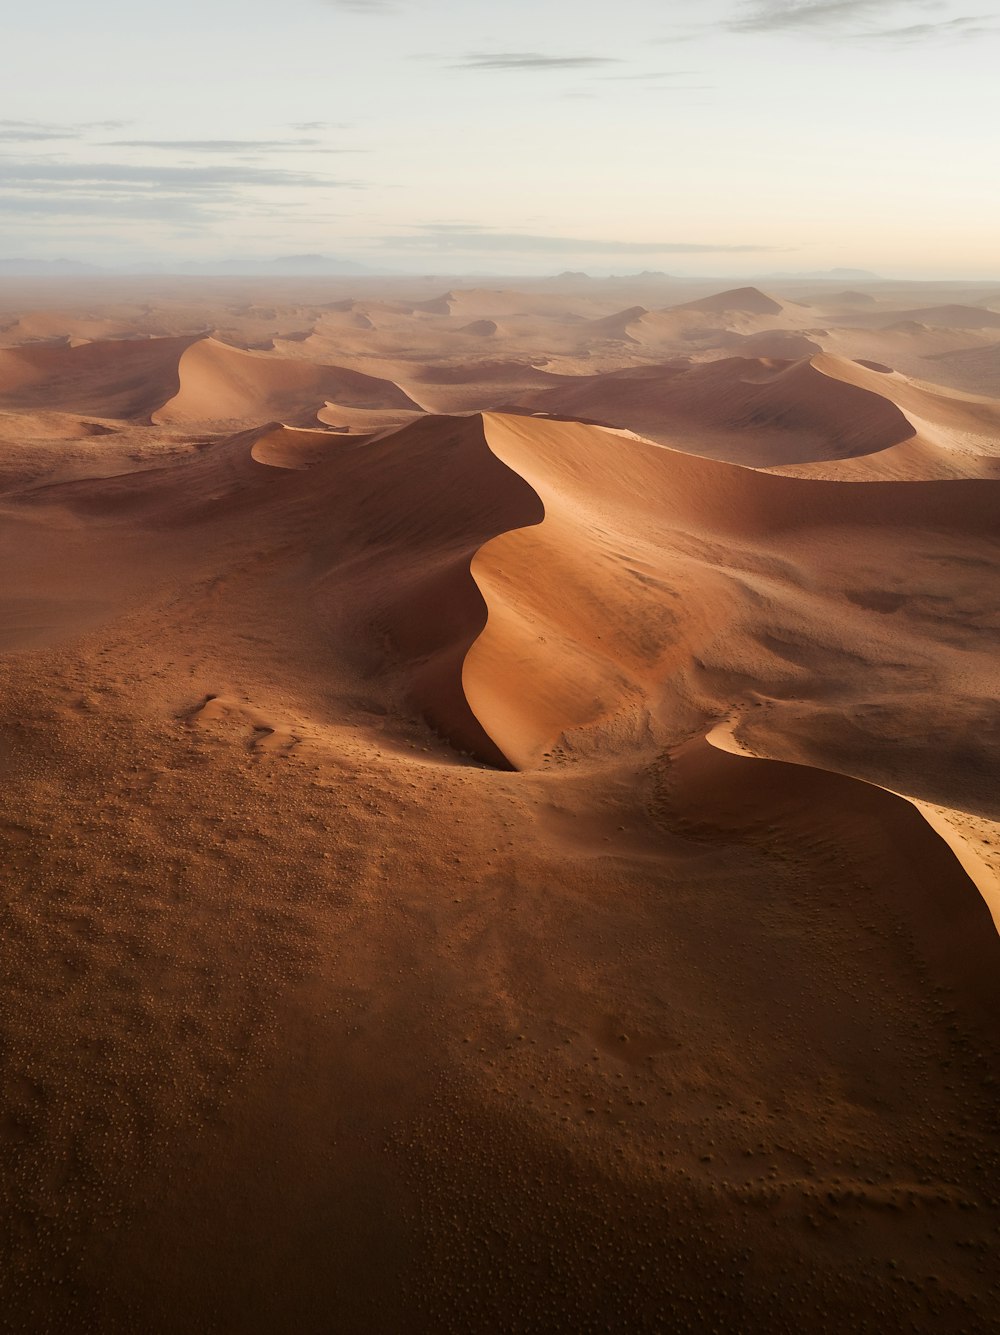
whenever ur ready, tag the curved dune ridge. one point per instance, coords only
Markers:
(620, 324)
(535, 578)
(221, 384)
(769, 413)
(297, 448)
(597, 613)
(749, 410)
(185, 381)
(954, 434)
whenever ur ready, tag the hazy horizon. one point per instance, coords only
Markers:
(733, 138)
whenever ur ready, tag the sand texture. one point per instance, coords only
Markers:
(499, 807)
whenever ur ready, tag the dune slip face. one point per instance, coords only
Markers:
(499, 811)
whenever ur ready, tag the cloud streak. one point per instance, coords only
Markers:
(449, 236)
(778, 17)
(29, 132)
(529, 60)
(857, 20)
(217, 145)
(50, 188)
(27, 174)
(917, 32)
(365, 6)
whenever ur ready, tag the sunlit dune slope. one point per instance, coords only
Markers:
(648, 560)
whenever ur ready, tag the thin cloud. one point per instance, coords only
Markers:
(771, 17)
(448, 236)
(25, 174)
(27, 132)
(218, 145)
(918, 32)
(44, 131)
(145, 207)
(859, 20)
(529, 60)
(33, 136)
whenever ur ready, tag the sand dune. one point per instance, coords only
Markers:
(796, 415)
(281, 446)
(224, 385)
(618, 325)
(944, 317)
(474, 385)
(743, 300)
(127, 379)
(749, 410)
(623, 516)
(974, 369)
(775, 344)
(709, 784)
(499, 808)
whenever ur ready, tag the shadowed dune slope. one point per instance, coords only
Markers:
(387, 527)
(955, 434)
(778, 414)
(711, 790)
(473, 386)
(750, 410)
(774, 344)
(123, 378)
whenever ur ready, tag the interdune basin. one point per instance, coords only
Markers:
(499, 811)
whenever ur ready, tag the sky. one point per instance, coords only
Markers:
(464, 136)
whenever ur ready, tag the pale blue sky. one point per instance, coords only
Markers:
(729, 136)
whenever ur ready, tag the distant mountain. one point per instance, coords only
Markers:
(21, 268)
(285, 266)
